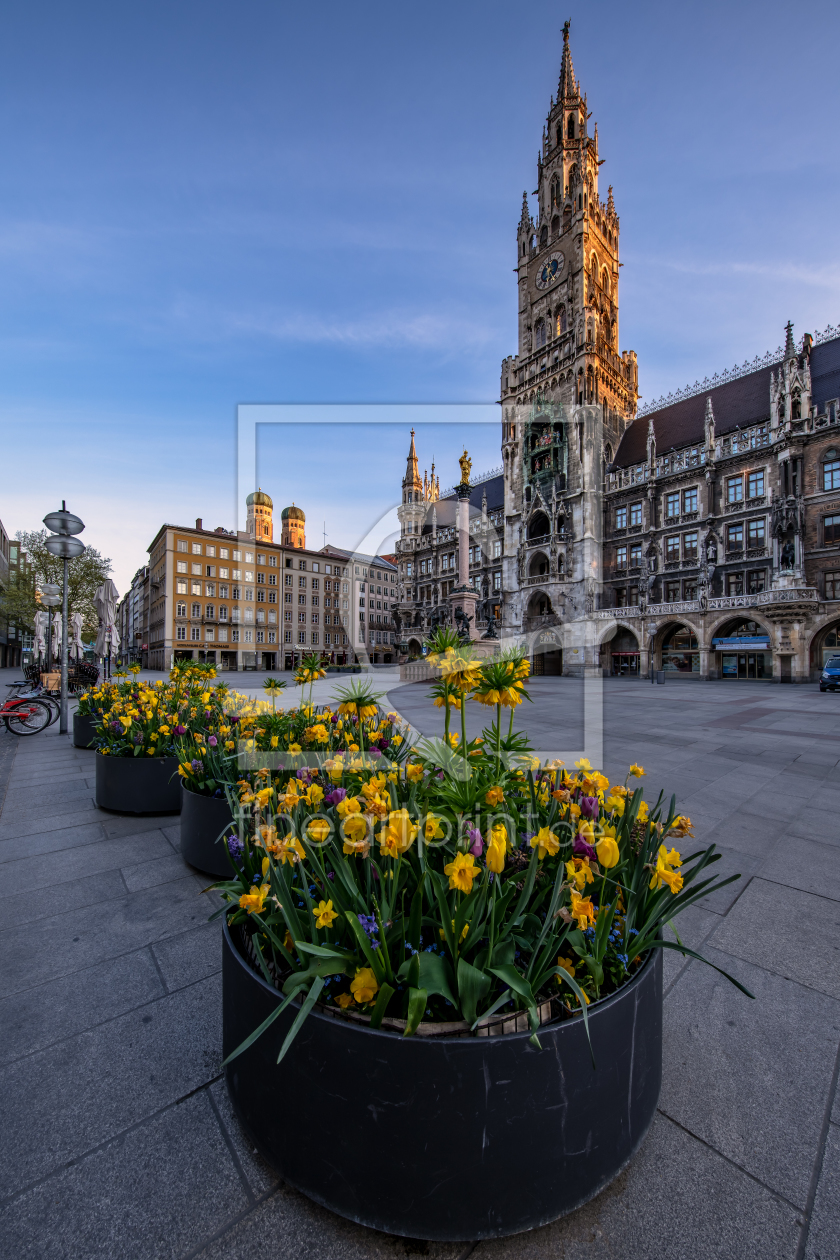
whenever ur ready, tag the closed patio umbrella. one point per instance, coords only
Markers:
(105, 602)
(56, 631)
(42, 620)
(77, 648)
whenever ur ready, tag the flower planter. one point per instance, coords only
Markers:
(448, 1139)
(203, 818)
(138, 785)
(84, 730)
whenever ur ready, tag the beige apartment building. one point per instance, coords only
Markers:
(242, 601)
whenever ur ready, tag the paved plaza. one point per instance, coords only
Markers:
(117, 1136)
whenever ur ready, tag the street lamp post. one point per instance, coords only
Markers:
(63, 544)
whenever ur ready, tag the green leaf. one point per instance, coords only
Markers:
(364, 945)
(415, 921)
(511, 977)
(383, 997)
(258, 1032)
(473, 985)
(416, 1009)
(311, 999)
(683, 949)
(435, 976)
(322, 951)
(299, 979)
(491, 1010)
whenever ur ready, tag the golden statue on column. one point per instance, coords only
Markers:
(466, 468)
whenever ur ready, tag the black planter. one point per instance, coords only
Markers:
(84, 729)
(138, 785)
(203, 818)
(449, 1139)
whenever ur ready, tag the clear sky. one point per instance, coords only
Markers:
(210, 204)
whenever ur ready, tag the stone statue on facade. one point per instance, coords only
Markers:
(788, 555)
(462, 621)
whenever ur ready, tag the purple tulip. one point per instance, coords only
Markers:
(180, 730)
(333, 717)
(589, 806)
(384, 743)
(212, 741)
(374, 752)
(234, 718)
(581, 849)
(476, 845)
(335, 796)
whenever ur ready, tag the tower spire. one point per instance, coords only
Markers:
(567, 86)
(790, 348)
(412, 479)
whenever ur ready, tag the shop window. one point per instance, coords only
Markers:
(680, 652)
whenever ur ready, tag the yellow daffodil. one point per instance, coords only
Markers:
(583, 764)
(414, 772)
(432, 829)
(636, 771)
(496, 849)
(324, 914)
(344, 1000)
(462, 870)
(545, 842)
(494, 795)
(398, 837)
(254, 902)
(681, 826)
(364, 985)
(579, 872)
(665, 872)
(350, 805)
(355, 835)
(583, 911)
(567, 965)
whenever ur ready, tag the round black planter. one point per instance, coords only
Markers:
(203, 818)
(138, 785)
(448, 1139)
(84, 729)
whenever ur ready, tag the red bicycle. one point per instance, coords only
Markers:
(25, 717)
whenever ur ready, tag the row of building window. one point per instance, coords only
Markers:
(684, 546)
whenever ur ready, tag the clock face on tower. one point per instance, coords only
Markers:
(550, 270)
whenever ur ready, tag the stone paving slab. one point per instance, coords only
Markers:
(119, 1139)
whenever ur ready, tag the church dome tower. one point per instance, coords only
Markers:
(294, 526)
(260, 521)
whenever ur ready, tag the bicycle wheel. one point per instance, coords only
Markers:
(30, 717)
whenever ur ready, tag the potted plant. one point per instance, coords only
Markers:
(442, 981)
(92, 704)
(136, 763)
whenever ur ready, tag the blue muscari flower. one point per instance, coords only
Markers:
(257, 877)
(634, 931)
(622, 958)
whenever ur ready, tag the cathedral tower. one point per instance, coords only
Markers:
(294, 526)
(260, 516)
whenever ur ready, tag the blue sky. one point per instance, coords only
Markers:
(211, 204)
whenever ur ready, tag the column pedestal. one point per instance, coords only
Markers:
(464, 596)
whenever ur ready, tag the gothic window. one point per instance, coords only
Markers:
(559, 135)
(605, 281)
(571, 131)
(555, 225)
(796, 407)
(540, 333)
(544, 236)
(561, 320)
(556, 192)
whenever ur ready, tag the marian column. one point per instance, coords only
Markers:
(463, 597)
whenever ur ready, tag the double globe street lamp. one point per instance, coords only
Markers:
(64, 545)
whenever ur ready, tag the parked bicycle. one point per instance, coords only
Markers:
(26, 691)
(26, 716)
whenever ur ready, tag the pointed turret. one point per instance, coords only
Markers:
(790, 348)
(610, 201)
(567, 86)
(411, 481)
(525, 217)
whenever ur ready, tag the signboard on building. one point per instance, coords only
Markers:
(739, 643)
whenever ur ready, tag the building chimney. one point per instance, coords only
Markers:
(198, 524)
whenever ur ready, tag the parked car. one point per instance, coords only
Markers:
(830, 677)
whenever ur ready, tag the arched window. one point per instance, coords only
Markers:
(538, 526)
(605, 281)
(555, 225)
(544, 236)
(796, 406)
(571, 130)
(556, 192)
(561, 320)
(608, 454)
(539, 334)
